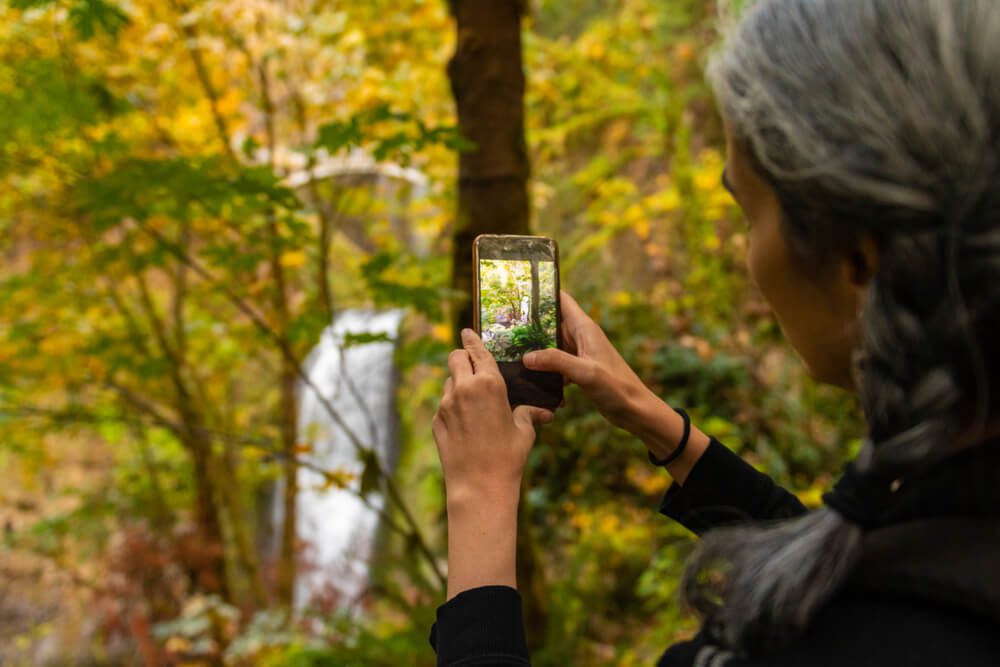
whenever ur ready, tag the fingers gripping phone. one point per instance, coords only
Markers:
(516, 293)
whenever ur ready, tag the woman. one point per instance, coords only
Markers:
(863, 146)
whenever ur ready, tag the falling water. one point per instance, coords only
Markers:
(359, 381)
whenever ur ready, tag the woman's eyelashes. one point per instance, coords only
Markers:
(726, 184)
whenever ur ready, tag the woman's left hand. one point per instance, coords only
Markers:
(482, 443)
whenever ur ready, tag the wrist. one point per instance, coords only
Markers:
(482, 542)
(662, 429)
(657, 425)
(466, 499)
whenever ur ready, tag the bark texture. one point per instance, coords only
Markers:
(487, 81)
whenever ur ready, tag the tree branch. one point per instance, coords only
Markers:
(365, 452)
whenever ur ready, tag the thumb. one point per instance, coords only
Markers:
(526, 416)
(573, 367)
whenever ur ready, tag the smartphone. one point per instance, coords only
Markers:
(516, 293)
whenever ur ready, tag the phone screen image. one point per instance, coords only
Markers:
(517, 306)
(518, 311)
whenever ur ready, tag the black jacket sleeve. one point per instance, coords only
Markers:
(484, 626)
(724, 489)
(481, 626)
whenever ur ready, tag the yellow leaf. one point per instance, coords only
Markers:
(664, 201)
(685, 52)
(620, 298)
(54, 347)
(616, 133)
(230, 102)
(293, 259)
(609, 523)
(595, 49)
(811, 497)
(583, 521)
(642, 228)
(442, 332)
(706, 180)
(338, 479)
(352, 39)
(177, 644)
(633, 213)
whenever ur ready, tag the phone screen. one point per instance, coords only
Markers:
(518, 304)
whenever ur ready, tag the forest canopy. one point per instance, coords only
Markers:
(192, 191)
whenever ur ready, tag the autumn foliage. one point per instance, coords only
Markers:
(190, 190)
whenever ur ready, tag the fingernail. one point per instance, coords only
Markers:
(468, 333)
(547, 417)
(529, 359)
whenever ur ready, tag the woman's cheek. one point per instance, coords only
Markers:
(770, 274)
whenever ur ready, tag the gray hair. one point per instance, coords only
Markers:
(877, 118)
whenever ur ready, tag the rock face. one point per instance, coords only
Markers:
(358, 379)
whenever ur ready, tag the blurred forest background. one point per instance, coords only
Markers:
(191, 191)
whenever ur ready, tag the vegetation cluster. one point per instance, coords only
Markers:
(190, 190)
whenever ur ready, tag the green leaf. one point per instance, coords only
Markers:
(420, 289)
(250, 145)
(340, 135)
(87, 16)
(370, 475)
(399, 141)
(46, 102)
(423, 350)
(451, 137)
(180, 188)
(365, 338)
(30, 4)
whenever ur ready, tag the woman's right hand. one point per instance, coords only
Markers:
(591, 361)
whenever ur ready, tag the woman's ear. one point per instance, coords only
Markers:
(863, 262)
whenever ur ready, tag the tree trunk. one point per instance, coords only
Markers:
(289, 528)
(536, 320)
(246, 553)
(287, 423)
(209, 557)
(487, 80)
(287, 409)
(209, 550)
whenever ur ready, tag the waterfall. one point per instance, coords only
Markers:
(359, 381)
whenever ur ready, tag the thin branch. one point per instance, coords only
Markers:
(180, 293)
(158, 327)
(365, 452)
(404, 531)
(144, 406)
(131, 322)
(154, 418)
(356, 394)
(326, 226)
(269, 447)
(191, 42)
(161, 511)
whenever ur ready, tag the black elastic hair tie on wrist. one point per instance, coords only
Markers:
(674, 455)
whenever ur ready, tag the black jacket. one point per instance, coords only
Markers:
(926, 592)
